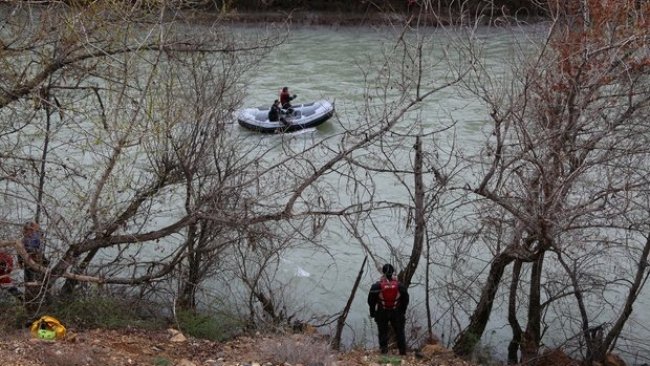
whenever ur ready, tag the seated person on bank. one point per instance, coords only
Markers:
(276, 114)
(6, 282)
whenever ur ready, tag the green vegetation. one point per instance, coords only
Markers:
(12, 314)
(161, 361)
(105, 312)
(214, 328)
(112, 312)
(389, 360)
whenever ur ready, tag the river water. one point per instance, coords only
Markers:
(329, 63)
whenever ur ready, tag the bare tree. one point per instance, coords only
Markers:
(565, 177)
(141, 102)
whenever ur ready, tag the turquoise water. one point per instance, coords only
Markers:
(333, 63)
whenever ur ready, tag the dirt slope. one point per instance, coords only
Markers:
(167, 348)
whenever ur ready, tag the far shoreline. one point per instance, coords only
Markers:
(338, 19)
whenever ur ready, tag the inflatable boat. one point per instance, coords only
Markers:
(299, 117)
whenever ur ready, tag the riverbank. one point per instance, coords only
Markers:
(325, 18)
(169, 347)
(343, 19)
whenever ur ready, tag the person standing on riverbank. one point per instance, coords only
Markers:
(388, 300)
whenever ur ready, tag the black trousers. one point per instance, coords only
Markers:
(14, 291)
(387, 319)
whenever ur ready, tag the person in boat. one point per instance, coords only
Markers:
(276, 113)
(388, 300)
(286, 98)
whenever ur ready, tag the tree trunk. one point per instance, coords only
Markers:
(340, 323)
(187, 296)
(406, 275)
(593, 336)
(532, 335)
(268, 306)
(427, 292)
(48, 126)
(513, 347)
(632, 294)
(70, 285)
(471, 335)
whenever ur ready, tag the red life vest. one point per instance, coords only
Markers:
(389, 293)
(285, 98)
(6, 266)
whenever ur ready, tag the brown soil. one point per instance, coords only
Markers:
(164, 348)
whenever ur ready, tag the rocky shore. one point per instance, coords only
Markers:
(170, 347)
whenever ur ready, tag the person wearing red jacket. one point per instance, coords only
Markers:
(388, 300)
(286, 98)
(6, 267)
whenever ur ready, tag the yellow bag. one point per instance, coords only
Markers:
(47, 327)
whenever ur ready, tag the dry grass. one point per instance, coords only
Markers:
(58, 358)
(297, 349)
